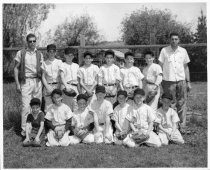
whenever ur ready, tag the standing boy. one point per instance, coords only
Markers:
(153, 79)
(103, 109)
(51, 74)
(131, 75)
(88, 75)
(69, 79)
(27, 73)
(141, 118)
(109, 76)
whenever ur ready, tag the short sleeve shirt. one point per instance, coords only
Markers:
(166, 119)
(102, 109)
(119, 116)
(82, 119)
(151, 72)
(141, 116)
(70, 72)
(58, 114)
(109, 74)
(52, 70)
(35, 122)
(88, 74)
(30, 62)
(173, 63)
(131, 76)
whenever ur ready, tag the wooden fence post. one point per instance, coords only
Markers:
(81, 49)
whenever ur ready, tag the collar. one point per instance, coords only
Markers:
(171, 50)
(27, 50)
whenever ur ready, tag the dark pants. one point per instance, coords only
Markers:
(178, 91)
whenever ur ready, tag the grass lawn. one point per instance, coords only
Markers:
(192, 154)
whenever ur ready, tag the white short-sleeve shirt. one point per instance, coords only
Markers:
(131, 76)
(52, 70)
(82, 119)
(102, 109)
(141, 116)
(166, 119)
(151, 72)
(173, 63)
(70, 72)
(58, 114)
(109, 74)
(30, 62)
(88, 74)
(119, 116)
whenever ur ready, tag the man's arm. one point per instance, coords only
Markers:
(16, 71)
(187, 77)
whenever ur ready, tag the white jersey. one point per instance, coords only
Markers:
(131, 76)
(58, 114)
(88, 74)
(151, 72)
(70, 72)
(109, 74)
(52, 70)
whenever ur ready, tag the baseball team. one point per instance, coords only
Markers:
(112, 104)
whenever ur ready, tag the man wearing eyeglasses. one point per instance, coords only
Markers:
(176, 78)
(27, 74)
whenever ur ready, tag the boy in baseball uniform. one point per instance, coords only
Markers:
(131, 76)
(153, 78)
(109, 76)
(168, 120)
(88, 75)
(51, 74)
(82, 121)
(120, 112)
(103, 109)
(34, 125)
(69, 79)
(58, 119)
(141, 118)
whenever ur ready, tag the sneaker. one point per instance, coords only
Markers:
(27, 144)
(36, 144)
(23, 133)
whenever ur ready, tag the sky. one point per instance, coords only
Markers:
(108, 16)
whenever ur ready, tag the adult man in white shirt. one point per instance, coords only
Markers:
(176, 79)
(27, 74)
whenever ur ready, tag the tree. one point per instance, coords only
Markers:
(19, 19)
(68, 33)
(140, 24)
(201, 34)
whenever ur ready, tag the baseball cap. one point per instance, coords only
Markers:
(51, 47)
(100, 89)
(56, 91)
(35, 101)
(122, 92)
(139, 91)
(82, 96)
(167, 96)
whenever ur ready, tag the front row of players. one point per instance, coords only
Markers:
(98, 122)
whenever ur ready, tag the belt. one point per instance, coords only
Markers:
(53, 83)
(150, 83)
(113, 84)
(31, 77)
(132, 87)
(101, 124)
(72, 84)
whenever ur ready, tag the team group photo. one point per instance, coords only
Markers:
(74, 98)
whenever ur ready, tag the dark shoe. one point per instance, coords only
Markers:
(27, 144)
(36, 144)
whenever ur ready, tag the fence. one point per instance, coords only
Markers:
(197, 53)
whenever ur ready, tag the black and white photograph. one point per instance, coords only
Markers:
(104, 84)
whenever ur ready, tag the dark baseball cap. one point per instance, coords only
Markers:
(122, 92)
(56, 91)
(82, 96)
(167, 96)
(51, 47)
(35, 101)
(139, 91)
(100, 89)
